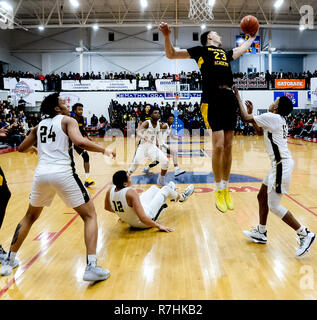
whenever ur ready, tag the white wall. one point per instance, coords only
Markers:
(310, 62)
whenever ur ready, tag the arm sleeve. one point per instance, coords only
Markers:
(195, 52)
(266, 121)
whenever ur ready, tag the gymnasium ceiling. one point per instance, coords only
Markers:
(60, 14)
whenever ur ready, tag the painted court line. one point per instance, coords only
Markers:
(47, 245)
(301, 205)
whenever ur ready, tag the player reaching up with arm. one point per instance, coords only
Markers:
(274, 128)
(218, 102)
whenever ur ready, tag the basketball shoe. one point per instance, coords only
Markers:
(89, 182)
(255, 235)
(187, 193)
(228, 199)
(161, 181)
(305, 242)
(178, 172)
(147, 170)
(95, 273)
(7, 266)
(220, 201)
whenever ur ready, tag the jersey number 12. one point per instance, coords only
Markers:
(117, 206)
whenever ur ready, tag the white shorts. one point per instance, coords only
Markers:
(146, 199)
(152, 152)
(279, 177)
(66, 184)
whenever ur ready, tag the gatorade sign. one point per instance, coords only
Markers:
(290, 83)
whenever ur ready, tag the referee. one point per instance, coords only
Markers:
(219, 105)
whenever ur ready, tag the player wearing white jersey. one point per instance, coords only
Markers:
(167, 132)
(141, 212)
(149, 132)
(55, 173)
(274, 127)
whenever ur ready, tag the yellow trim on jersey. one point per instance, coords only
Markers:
(200, 62)
(204, 113)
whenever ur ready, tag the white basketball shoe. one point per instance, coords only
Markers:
(187, 193)
(255, 235)
(305, 242)
(95, 273)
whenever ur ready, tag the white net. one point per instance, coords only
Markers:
(201, 10)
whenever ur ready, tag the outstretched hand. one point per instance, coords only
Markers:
(165, 29)
(165, 229)
(110, 153)
(249, 106)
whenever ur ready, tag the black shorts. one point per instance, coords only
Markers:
(3, 180)
(221, 110)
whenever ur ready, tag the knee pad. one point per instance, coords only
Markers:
(164, 163)
(85, 156)
(275, 206)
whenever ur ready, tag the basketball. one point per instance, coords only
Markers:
(249, 25)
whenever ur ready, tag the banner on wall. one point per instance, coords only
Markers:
(25, 89)
(290, 83)
(185, 95)
(165, 85)
(293, 96)
(313, 86)
(70, 99)
(177, 125)
(144, 83)
(10, 83)
(95, 85)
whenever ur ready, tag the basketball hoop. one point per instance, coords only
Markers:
(200, 10)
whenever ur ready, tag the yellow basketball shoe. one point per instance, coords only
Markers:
(220, 201)
(229, 201)
(89, 182)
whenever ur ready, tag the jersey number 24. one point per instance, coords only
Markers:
(44, 136)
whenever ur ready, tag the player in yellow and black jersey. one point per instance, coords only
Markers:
(219, 105)
(77, 111)
(5, 195)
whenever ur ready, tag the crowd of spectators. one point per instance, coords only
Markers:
(303, 125)
(121, 115)
(52, 82)
(271, 77)
(17, 121)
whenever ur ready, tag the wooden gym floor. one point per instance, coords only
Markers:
(206, 257)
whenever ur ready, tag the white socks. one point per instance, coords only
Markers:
(11, 257)
(302, 231)
(219, 185)
(91, 260)
(223, 184)
(262, 228)
(87, 175)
